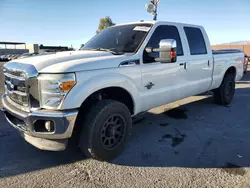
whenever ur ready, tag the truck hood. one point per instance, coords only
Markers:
(73, 61)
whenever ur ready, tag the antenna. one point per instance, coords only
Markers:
(152, 8)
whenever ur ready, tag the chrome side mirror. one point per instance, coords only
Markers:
(167, 51)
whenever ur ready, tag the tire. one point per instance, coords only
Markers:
(225, 93)
(106, 129)
(245, 71)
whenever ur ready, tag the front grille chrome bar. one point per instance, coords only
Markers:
(13, 76)
(17, 84)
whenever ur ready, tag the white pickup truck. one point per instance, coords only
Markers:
(93, 93)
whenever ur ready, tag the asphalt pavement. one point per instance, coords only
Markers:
(189, 143)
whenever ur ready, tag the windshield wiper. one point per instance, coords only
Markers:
(104, 50)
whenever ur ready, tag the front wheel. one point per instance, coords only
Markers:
(225, 93)
(106, 129)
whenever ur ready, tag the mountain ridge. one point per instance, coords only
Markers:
(245, 42)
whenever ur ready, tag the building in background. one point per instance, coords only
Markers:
(13, 48)
(39, 49)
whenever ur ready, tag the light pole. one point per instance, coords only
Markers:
(152, 8)
(155, 13)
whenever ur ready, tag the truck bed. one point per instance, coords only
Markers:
(227, 51)
(229, 57)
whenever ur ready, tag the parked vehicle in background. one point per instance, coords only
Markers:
(92, 94)
(246, 61)
(9, 57)
(17, 56)
(25, 55)
(12, 56)
(34, 54)
(2, 57)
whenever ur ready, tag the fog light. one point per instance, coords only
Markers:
(43, 126)
(49, 125)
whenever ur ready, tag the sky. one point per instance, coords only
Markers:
(74, 22)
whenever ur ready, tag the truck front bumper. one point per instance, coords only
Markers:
(25, 123)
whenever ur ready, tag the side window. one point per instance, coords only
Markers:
(196, 41)
(162, 32)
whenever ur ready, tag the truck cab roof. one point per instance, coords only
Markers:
(158, 23)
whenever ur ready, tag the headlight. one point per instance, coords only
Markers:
(53, 88)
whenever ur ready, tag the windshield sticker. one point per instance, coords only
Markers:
(142, 28)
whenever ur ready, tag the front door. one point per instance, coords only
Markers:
(163, 82)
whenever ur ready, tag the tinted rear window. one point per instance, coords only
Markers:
(196, 41)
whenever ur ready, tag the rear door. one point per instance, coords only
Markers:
(199, 60)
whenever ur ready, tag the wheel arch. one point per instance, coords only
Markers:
(115, 93)
(119, 84)
(231, 70)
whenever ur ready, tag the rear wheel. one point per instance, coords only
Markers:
(106, 129)
(225, 93)
(245, 69)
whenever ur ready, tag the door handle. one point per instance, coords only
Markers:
(208, 63)
(184, 64)
(149, 85)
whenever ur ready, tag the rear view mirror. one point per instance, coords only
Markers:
(167, 51)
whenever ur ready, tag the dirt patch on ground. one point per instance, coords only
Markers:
(177, 138)
(176, 113)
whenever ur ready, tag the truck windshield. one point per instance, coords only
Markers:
(119, 39)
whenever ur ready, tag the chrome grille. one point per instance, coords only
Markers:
(14, 73)
(19, 99)
(15, 87)
(21, 85)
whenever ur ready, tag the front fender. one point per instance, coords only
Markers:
(85, 87)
